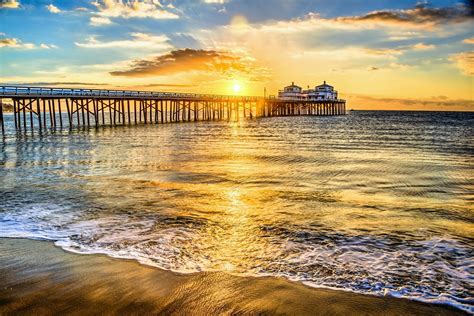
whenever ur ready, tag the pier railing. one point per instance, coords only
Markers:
(12, 91)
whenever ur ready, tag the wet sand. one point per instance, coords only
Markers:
(38, 278)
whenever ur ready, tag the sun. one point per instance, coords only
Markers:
(236, 87)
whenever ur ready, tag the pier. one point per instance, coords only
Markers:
(51, 108)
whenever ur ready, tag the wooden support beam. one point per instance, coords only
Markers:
(83, 113)
(44, 113)
(15, 106)
(68, 113)
(31, 115)
(24, 114)
(171, 111)
(150, 105)
(60, 114)
(128, 112)
(102, 112)
(38, 112)
(189, 111)
(96, 112)
(115, 112)
(122, 104)
(50, 107)
(88, 112)
(77, 112)
(1, 117)
(110, 112)
(196, 110)
(135, 111)
(161, 112)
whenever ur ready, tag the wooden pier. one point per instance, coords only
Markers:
(51, 108)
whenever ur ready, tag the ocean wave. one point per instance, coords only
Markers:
(435, 270)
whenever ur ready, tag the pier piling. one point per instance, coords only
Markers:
(145, 107)
(1, 117)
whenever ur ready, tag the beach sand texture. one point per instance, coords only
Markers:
(40, 279)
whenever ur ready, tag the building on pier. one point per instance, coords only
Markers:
(323, 92)
(291, 92)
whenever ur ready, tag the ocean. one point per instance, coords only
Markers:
(375, 202)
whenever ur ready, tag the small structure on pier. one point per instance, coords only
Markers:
(323, 92)
(292, 92)
(292, 100)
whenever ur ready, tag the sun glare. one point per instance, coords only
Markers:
(236, 87)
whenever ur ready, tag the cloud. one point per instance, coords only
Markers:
(139, 40)
(366, 101)
(464, 61)
(420, 16)
(9, 4)
(469, 40)
(216, 1)
(400, 66)
(15, 43)
(99, 20)
(389, 52)
(167, 85)
(107, 9)
(45, 46)
(393, 52)
(189, 60)
(53, 9)
(390, 66)
(422, 46)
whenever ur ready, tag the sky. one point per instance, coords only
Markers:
(378, 54)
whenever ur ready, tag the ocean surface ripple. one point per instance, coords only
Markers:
(373, 202)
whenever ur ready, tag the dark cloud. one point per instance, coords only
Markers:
(421, 15)
(185, 60)
(8, 42)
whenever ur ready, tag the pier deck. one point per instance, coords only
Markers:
(45, 108)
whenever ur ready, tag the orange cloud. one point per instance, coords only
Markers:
(188, 60)
(469, 40)
(465, 62)
(422, 46)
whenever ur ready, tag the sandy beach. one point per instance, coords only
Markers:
(39, 278)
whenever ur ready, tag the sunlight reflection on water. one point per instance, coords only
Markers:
(372, 202)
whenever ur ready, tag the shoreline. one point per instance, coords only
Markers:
(41, 278)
